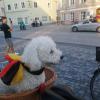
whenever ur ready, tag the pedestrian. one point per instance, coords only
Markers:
(58, 20)
(7, 34)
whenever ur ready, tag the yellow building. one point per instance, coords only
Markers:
(98, 14)
(28, 10)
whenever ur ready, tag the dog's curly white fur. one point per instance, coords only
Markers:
(39, 51)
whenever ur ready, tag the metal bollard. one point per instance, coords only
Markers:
(98, 54)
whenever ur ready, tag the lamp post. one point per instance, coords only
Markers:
(4, 7)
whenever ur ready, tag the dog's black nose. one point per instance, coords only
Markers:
(61, 57)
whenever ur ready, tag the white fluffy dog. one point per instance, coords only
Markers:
(40, 51)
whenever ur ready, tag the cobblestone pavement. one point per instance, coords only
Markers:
(79, 63)
(77, 68)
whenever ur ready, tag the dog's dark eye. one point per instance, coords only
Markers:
(51, 52)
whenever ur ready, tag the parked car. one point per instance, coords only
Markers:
(36, 23)
(86, 26)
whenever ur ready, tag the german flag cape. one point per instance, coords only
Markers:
(12, 73)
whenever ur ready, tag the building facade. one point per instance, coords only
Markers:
(29, 10)
(78, 10)
(2, 8)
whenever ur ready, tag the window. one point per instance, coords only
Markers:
(72, 2)
(9, 7)
(30, 4)
(83, 1)
(44, 18)
(48, 5)
(86, 22)
(83, 15)
(72, 16)
(23, 4)
(50, 18)
(15, 5)
(26, 20)
(19, 20)
(35, 4)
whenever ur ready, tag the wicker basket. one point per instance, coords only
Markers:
(32, 94)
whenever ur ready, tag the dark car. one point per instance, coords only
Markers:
(0, 22)
(0, 27)
(36, 23)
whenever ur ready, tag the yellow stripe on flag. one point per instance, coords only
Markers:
(19, 76)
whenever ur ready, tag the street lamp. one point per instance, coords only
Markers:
(4, 7)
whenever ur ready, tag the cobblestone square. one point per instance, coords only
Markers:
(78, 65)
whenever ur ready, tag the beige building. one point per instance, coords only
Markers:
(2, 8)
(78, 10)
(28, 10)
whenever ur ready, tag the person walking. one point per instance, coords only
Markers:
(7, 34)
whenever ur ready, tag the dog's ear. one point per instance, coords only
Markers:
(30, 58)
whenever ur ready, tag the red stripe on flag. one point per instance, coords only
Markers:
(6, 69)
(7, 57)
